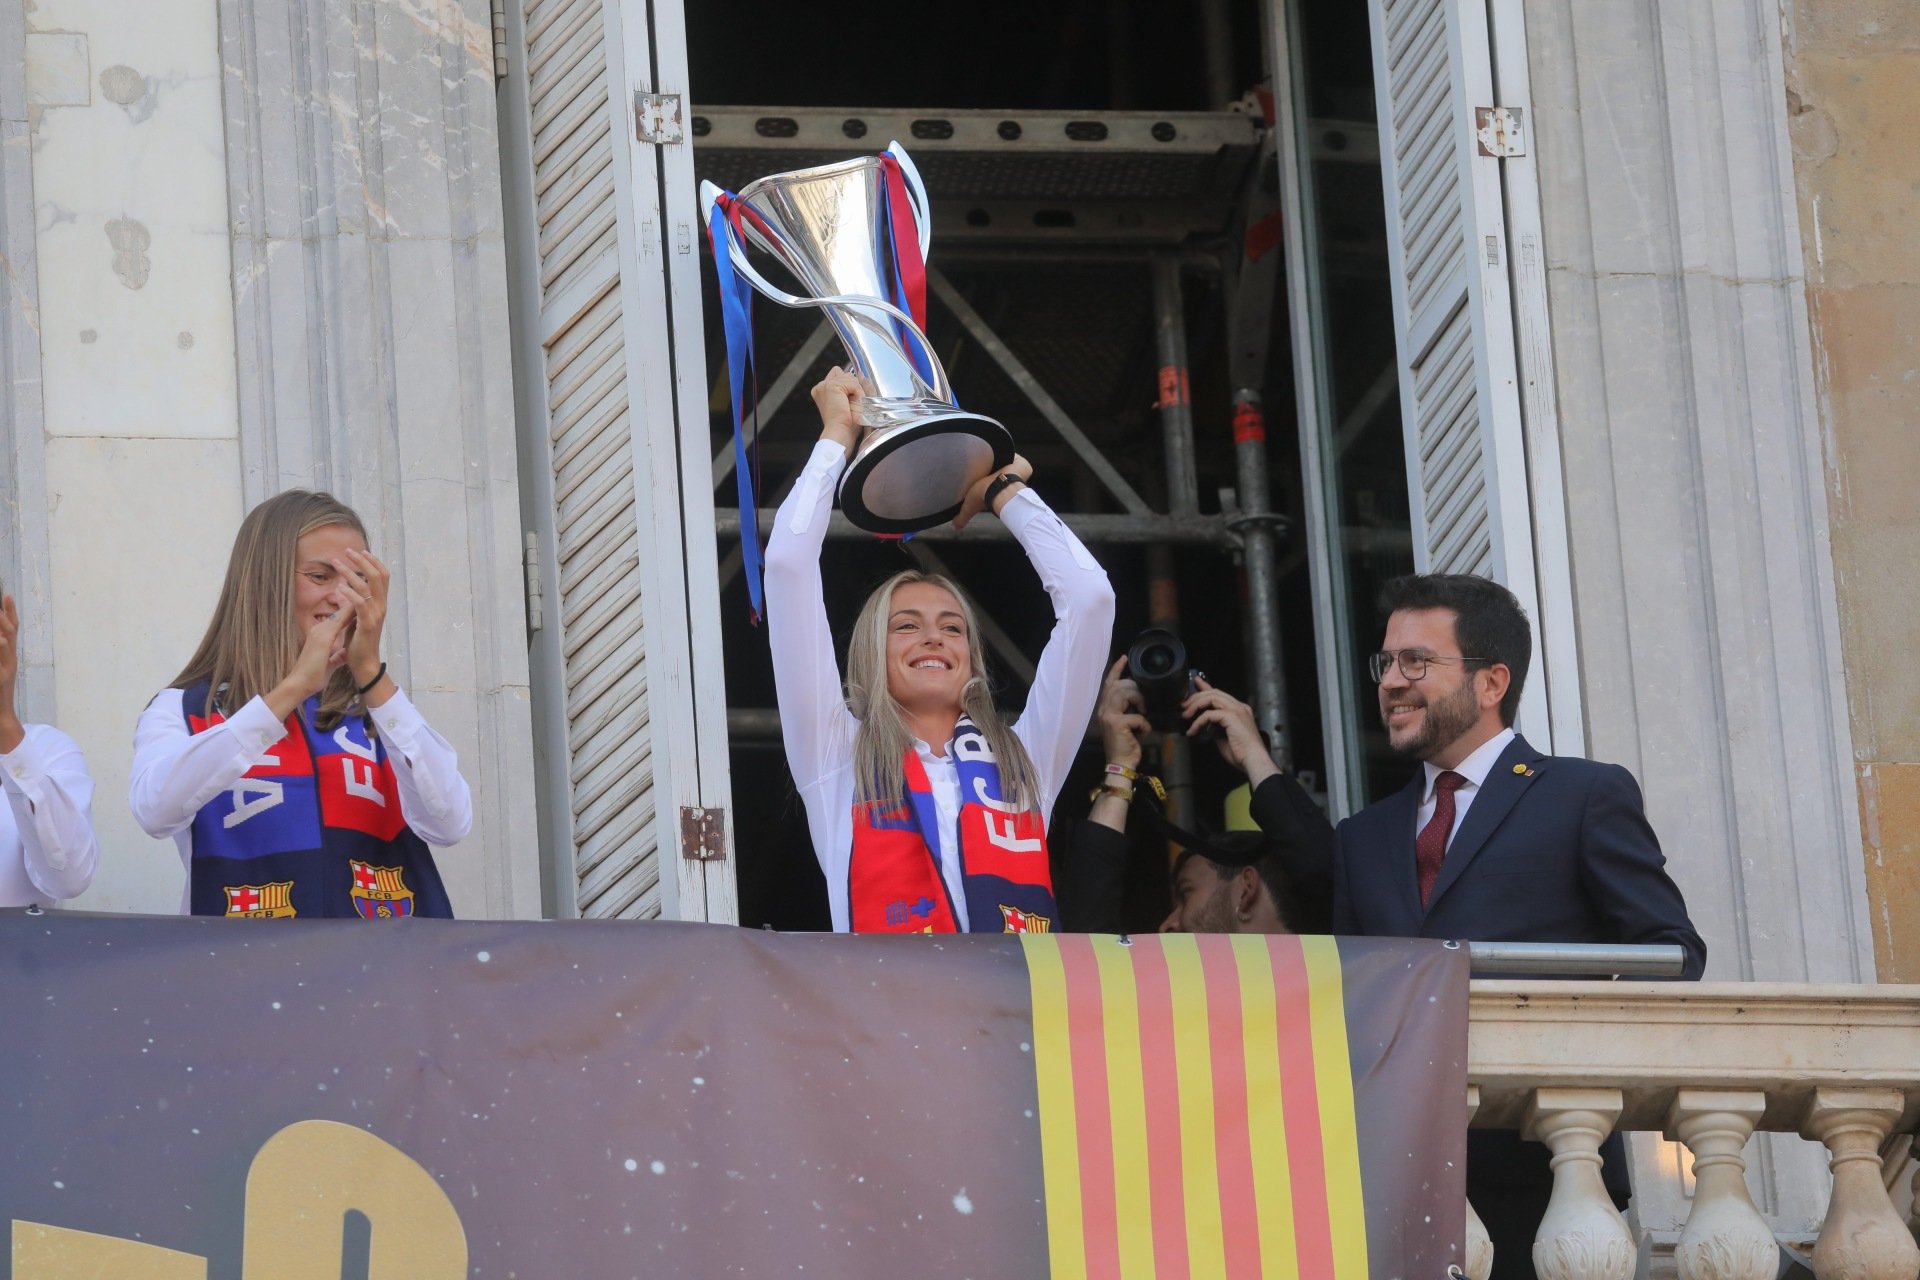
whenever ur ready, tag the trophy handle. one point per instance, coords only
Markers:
(710, 196)
(922, 213)
(858, 307)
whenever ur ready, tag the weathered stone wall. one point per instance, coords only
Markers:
(1692, 448)
(1852, 92)
(249, 245)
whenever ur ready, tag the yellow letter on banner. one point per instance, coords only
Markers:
(310, 1174)
(300, 1188)
(41, 1252)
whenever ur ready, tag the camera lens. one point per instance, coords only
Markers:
(1157, 661)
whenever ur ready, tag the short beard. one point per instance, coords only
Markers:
(1444, 721)
(1215, 915)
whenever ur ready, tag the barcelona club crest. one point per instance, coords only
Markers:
(261, 901)
(1019, 921)
(379, 893)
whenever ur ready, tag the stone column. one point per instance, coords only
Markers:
(131, 451)
(1704, 587)
(23, 510)
(370, 304)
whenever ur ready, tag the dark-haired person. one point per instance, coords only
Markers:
(1235, 883)
(1493, 842)
(47, 846)
(290, 768)
(1288, 863)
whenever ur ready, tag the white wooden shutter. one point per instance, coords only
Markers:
(1453, 306)
(638, 704)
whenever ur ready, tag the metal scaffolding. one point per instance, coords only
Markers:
(1137, 190)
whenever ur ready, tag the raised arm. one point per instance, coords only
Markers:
(47, 786)
(434, 798)
(175, 771)
(1066, 682)
(806, 675)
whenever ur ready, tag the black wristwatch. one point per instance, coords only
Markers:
(999, 486)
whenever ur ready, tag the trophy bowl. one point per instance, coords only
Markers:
(838, 230)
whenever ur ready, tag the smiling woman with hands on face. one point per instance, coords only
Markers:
(927, 809)
(293, 773)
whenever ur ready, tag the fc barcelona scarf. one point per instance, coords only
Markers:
(313, 829)
(894, 883)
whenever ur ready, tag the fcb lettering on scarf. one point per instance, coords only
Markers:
(894, 883)
(314, 829)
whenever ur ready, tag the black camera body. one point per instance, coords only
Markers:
(1157, 663)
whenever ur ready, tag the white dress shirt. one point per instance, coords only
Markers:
(814, 720)
(176, 772)
(47, 848)
(1474, 769)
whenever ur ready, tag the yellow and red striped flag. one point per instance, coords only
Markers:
(1197, 1108)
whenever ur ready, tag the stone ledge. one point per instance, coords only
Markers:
(1651, 1039)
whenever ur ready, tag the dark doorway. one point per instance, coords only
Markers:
(1057, 259)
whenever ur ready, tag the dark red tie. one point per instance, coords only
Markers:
(1431, 848)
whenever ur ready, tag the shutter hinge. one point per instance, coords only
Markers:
(1501, 131)
(499, 39)
(536, 603)
(656, 118)
(703, 834)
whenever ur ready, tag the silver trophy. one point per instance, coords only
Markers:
(922, 452)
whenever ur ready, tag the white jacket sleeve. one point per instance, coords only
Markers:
(806, 675)
(51, 794)
(434, 798)
(1066, 683)
(175, 772)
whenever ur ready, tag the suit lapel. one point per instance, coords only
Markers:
(1401, 873)
(1491, 804)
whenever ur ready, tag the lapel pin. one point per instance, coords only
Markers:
(1523, 771)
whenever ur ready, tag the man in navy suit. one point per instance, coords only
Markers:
(1493, 842)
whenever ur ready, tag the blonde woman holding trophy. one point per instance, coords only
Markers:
(926, 808)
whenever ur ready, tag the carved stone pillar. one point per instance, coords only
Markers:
(1862, 1238)
(1583, 1237)
(1725, 1236)
(1479, 1249)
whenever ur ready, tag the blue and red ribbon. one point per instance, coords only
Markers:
(898, 240)
(906, 270)
(736, 316)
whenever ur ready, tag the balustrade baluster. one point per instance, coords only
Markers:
(1862, 1238)
(1479, 1248)
(1725, 1237)
(1582, 1237)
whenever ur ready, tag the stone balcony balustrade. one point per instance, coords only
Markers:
(1707, 1065)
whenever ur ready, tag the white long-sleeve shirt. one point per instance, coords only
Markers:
(47, 847)
(176, 772)
(818, 728)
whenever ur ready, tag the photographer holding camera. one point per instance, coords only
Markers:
(1279, 880)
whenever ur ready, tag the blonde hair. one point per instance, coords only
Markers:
(881, 743)
(252, 643)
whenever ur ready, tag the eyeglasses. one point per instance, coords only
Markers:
(1412, 663)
